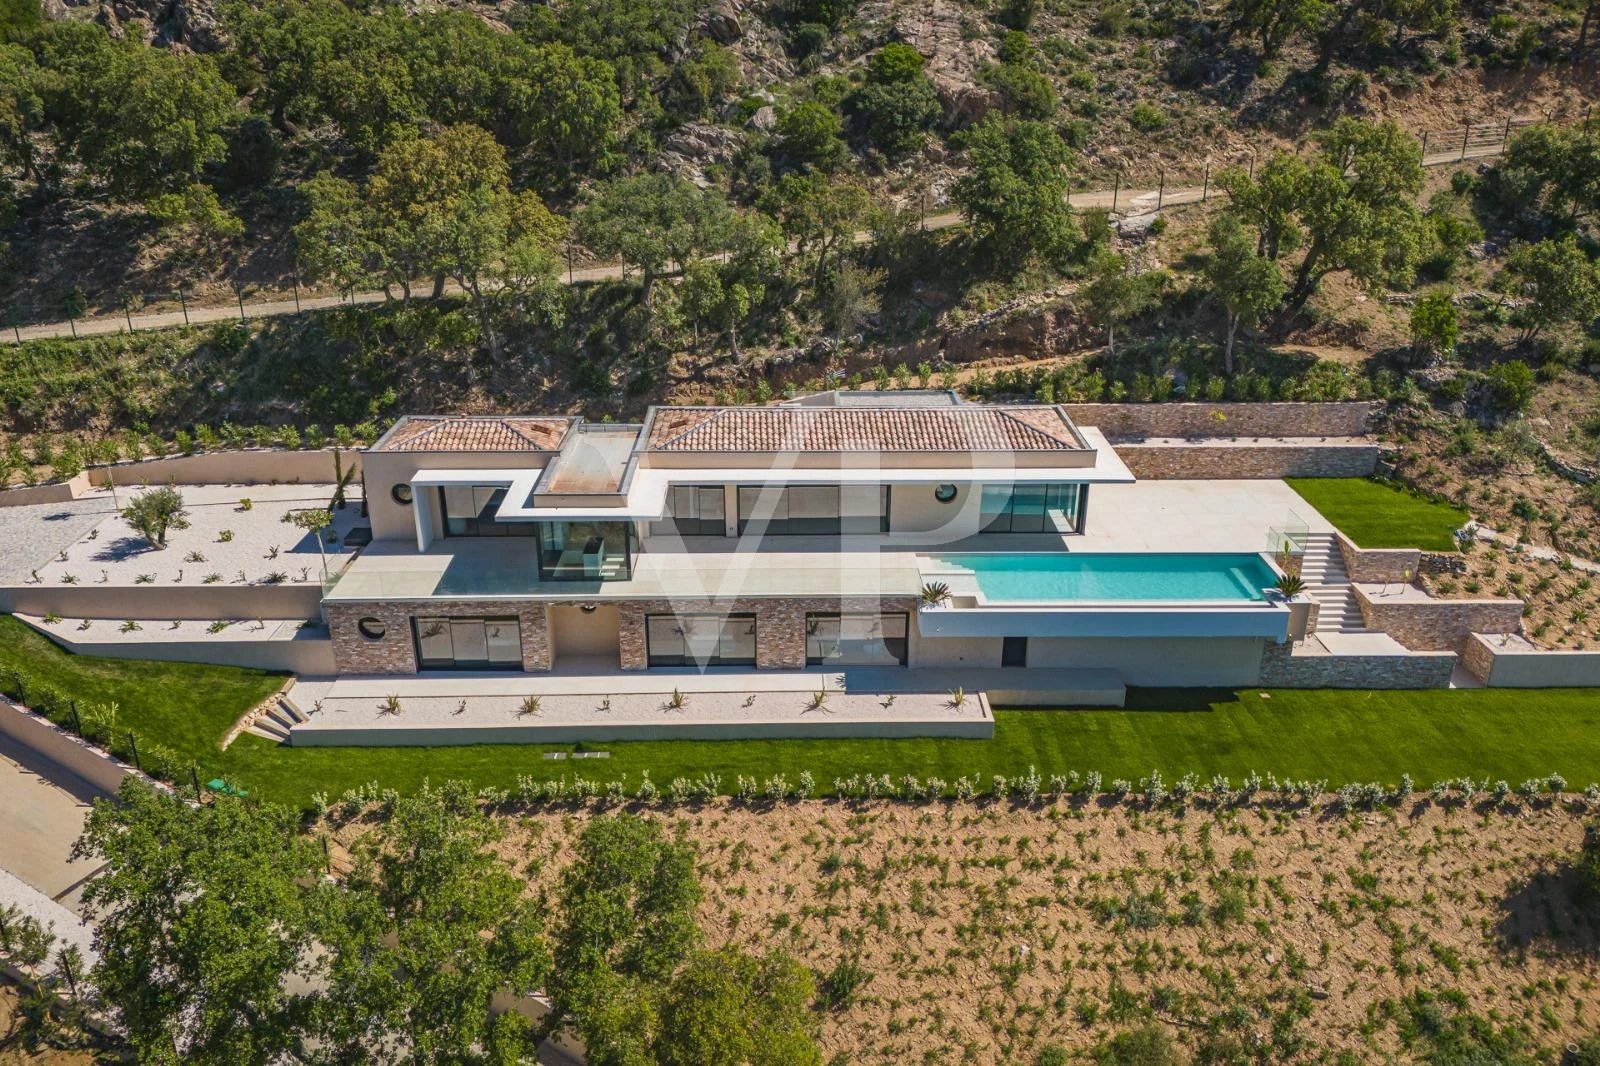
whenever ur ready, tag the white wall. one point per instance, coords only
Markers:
(1167, 662)
(912, 509)
(954, 651)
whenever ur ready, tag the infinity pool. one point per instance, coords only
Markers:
(1032, 577)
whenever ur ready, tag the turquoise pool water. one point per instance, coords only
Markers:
(1033, 577)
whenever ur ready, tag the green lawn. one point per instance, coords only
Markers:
(1375, 515)
(1341, 736)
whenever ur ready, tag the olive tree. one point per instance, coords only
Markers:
(153, 512)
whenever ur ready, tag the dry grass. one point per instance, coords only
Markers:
(985, 932)
(1563, 601)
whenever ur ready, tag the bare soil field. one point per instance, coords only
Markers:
(985, 932)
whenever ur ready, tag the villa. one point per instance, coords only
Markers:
(846, 563)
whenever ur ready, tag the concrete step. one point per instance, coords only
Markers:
(288, 711)
(267, 728)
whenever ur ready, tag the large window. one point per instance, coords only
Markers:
(813, 509)
(468, 644)
(856, 639)
(469, 512)
(1032, 508)
(693, 511)
(700, 639)
(585, 551)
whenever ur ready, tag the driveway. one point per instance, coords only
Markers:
(45, 807)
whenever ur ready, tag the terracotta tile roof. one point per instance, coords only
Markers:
(444, 433)
(862, 429)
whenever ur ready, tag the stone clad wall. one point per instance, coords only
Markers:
(396, 652)
(1135, 420)
(1281, 668)
(1439, 625)
(780, 627)
(1520, 666)
(1374, 565)
(1158, 462)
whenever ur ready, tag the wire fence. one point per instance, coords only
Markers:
(1148, 193)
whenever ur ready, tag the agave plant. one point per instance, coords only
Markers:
(1291, 584)
(935, 593)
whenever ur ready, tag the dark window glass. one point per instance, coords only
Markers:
(700, 639)
(401, 494)
(859, 639)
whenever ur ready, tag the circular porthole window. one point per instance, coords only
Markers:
(401, 493)
(944, 493)
(373, 628)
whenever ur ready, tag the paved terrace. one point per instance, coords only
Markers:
(1150, 516)
(596, 704)
(109, 552)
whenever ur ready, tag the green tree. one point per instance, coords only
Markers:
(729, 1008)
(627, 906)
(1553, 168)
(22, 108)
(1014, 192)
(155, 511)
(848, 295)
(1275, 22)
(202, 229)
(1247, 284)
(811, 135)
(313, 520)
(1353, 206)
(1558, 280)
(428, 927)
(650, 220)
(1115, 295)
(141, 120)
(820, 215)
(336, 241)
(1510, 385)
(897, 106)
(200, 921)
(1434, 324)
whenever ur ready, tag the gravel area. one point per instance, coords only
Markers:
(223, 544)
(32, 535)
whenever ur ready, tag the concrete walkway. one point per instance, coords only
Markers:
(45, 807)
(1127, 201)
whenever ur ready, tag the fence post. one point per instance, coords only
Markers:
(239, 295)
(295, 279)
(1205, 184)
(1464, 135)
(133, 743)
(194, 775)
(127, 314)
(1161, 190)
(1252, 164)
(77, 725)
(72, 322)
(1116, 187)
(1505, 137)
(1424, 145)
(184, 304)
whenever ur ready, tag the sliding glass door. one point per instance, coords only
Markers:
(700, 639)
(468, 644)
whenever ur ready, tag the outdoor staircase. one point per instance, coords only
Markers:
(281, 717)
(1328, 582)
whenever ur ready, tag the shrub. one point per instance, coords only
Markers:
(1510, 385)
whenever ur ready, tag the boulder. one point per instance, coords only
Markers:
(720, 22)
(696, 145)
(765, 118)
(936, 30)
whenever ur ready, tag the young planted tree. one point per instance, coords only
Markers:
(1247, 284)
(155, 511)
(313, 521)
(200, 924)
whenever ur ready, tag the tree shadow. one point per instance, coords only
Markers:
(122, 548)
(1552, 910)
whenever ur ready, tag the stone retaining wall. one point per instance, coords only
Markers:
(1438, 625)
(248, 466)
(1375, 565)
(1135, 420)
(1520, 666)
(1191, 461)
(1281, 668)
